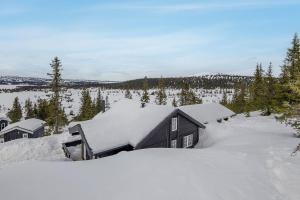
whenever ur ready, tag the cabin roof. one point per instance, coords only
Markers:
(126, 123)
(28, 125)
(206, 113)
(4, 117)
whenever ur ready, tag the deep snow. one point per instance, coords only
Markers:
(244, 158)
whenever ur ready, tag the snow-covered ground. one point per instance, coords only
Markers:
(71, 101)
(21, 150)
(244, 158)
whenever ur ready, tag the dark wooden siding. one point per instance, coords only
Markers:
(185, 127)
(16, 134)
(162, 135)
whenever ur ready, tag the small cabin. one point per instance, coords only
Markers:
(29, 128)
(128, 127)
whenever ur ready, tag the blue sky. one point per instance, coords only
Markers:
(120, 40)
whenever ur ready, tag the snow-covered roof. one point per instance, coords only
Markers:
(28, 125)
(205, 113)
(126, 123)
(4, 117)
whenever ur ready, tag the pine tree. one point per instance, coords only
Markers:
(174, 102)
(98, 103)
(128, 95)
(15, 114)
(239, 102)
(29, 110)
(57, 115)
(289, 96)
(145, 96)
(161, 98)
(188, 96)
(224, 100)
(35, 110)
(107, 104)
(258, 89)
(86, 110)
(43, 110)
(293, 57)
(270, 104)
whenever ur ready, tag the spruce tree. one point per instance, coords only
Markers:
(29, 110)
(239, 100)
(15, 113)
(107, 104)
(293, 57)
(174, 102)
(56, 85)
(270, 93)
(289, 86)
(99, 99)
(145, 96)
(86, 110)
(161, 97)
(128, 94)
(224, 100)
(188, 96)
(258, 89)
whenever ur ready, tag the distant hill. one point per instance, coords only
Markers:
(203, 81)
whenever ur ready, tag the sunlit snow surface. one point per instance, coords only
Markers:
(244, 158)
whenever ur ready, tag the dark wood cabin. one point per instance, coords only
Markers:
(30, 128)
(177, 130)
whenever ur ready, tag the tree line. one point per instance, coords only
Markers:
(51, 110)
(269, 94)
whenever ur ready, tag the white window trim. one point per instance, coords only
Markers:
(188, 141)
(174, 143)
(25, 134)
(174, 124)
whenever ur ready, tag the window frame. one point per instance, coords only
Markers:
(24, 135)
(174, 124)
(188, 141)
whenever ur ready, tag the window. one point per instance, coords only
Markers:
(2, 126)
(174, 123)
(187, 141)
(25, 135)
(173, 143)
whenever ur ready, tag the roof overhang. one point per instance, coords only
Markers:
(20, 129)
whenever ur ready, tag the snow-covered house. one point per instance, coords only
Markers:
(208, 113)
(30, 128)
(127, 127)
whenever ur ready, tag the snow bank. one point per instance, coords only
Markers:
(45, 148)
(205, 113)
(145, 174)
(244, 158)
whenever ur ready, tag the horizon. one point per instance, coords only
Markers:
(125, 40)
